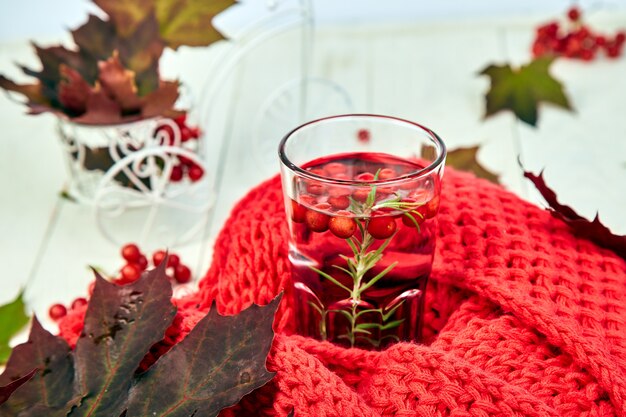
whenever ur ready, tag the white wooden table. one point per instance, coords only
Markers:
(426, 73)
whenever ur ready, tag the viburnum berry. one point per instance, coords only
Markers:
(620, 38)
(363, 135)
(342, 226)
(78, 303)
(158, 257)
(361, 194)
(298, 211)
(573, 14)
(177, 173)
(387, 174)
(57, 312)
(365, 176)
(334, 168)
(413, 218)
(432, 207)
(381, 227)
(130, 272)
(182, 274)
(142, 262)
(195, 172)
(316, 220)
(131, 252)
(315, 188)
(340, 202)
(173, 260)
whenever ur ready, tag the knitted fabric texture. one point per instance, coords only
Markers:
(522, 318)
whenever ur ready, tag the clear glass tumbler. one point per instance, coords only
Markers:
(361, 195)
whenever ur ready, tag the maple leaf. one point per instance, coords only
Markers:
(221, 359)
(119, 83)
(522, 90)
(592, 230)
(188, 22)
(12, 320)
(463, 159)
(126, 15)
(74, 91)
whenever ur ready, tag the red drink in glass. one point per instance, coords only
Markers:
(363, 228)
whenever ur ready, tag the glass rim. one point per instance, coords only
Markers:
(432, 166)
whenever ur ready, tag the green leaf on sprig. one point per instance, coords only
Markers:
(12, 319)
(221, 359)
(521, 90)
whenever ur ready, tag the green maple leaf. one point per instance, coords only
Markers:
(221, 359)
(188, 22)
(12, 320)
(522, 90)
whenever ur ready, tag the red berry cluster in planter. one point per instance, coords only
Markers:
(578, 41)
(136, 264)
(185, 166)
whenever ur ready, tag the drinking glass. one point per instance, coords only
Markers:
(361, 196)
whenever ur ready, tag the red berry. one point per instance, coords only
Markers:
(57, 312)
(177, 173)
(195, 172)
(334, 168)
(342, 226)
(365, 176)
(186, 161)
(432, 207)
(298, 212)
(185, 134)
(181, 120)
(317, 171)
(414, 217)
(173, 260)
(142, 262)
(387, 174)
(338, 191)
(361, 194)
(315, 189)
(620, 38)
(586, 54)
(195, 132)
(78, 303)
(130, 272)
(600, 40)
(381, 227)
(339, 203)
(613, 51)
(157, 257)
(317, 221)
(131, 252)
(573, 14)
(182, 273)
(363, 135)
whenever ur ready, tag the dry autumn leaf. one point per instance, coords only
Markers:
(463, 159)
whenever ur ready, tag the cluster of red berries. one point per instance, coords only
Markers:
(58, 311)
(579, 42)
(323, 207)
(185, 166)
(136, 264)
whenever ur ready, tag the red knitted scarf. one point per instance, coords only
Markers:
(522, 318)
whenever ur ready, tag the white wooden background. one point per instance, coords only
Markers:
(425, 72)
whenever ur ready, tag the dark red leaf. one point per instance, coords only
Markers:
(49, 387)
(161, 102)
(100, 109)
(96, 39)
(74, 91)
(121, 324)
(31, 91)
(7, 390)
(119, 83)
(594, 231)
(221, 360)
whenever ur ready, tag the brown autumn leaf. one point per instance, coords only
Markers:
(100, 109)
(189, 22)
(31, 91)
(463, 159)
(161, 101)
(96, 39)
(119, 83)
(73, 91)
(594, 230)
